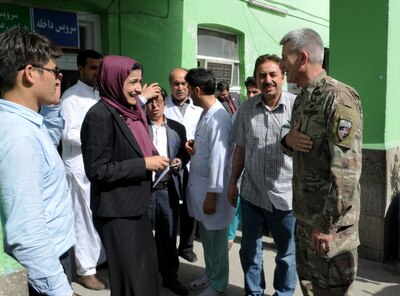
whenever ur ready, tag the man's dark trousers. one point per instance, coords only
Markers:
(164, 213)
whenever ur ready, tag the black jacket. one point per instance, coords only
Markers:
(114, 163)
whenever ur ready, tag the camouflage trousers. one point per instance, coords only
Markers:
(319, 275)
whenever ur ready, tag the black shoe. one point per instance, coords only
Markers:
(188, 255)
(176, 287)
(103, 265)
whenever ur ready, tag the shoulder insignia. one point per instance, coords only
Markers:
(344, 128)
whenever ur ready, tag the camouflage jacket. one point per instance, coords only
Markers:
(326, 189)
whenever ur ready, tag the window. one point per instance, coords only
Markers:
(222, 71)
(89, 31)
(218, 52)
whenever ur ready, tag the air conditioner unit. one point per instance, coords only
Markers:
(222, 71)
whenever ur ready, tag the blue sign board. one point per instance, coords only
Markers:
(59, 26)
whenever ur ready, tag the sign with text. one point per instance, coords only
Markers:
(14, 16)
(61, 27)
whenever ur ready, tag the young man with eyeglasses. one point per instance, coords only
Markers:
(76, 101)
(35, 202)
(169, 138)
(56, 71)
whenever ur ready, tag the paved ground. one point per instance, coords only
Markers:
(372, 278)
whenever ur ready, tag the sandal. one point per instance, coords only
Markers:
(199, 283)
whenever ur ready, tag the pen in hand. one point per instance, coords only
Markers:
(175, 164)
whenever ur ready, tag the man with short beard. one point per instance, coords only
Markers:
(76, 101)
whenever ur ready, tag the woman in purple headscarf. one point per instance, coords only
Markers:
(119, 159)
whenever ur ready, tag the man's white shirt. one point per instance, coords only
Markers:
(75, 103)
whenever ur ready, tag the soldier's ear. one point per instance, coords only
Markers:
(303, 57)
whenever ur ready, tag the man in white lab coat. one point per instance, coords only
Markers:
(76, 101)
(209, 181)
(179, 107)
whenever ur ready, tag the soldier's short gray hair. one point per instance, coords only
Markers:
(308, 40)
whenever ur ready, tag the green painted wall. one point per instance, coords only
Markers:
(260, 30)
(151, 33)
(95, 6)
(392, 117)
(162, 34)
(174, 38)
(359, 56)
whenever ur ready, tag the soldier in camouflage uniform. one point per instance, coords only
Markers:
(325, 142)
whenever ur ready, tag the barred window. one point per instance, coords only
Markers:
(218, 51)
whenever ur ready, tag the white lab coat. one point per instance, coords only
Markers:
(75, 102)
(211, 168)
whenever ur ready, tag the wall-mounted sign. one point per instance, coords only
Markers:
(14, 16)
(60, 26)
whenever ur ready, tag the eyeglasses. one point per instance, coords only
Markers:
(158, 102)
(56, 71)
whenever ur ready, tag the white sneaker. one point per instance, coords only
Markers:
(211, 292)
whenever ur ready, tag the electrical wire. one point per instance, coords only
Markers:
(251, 11)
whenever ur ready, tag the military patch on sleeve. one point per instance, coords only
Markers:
(344, 128)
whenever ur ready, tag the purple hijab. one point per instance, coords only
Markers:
(112, 74)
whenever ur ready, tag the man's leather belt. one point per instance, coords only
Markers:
(161, 185)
